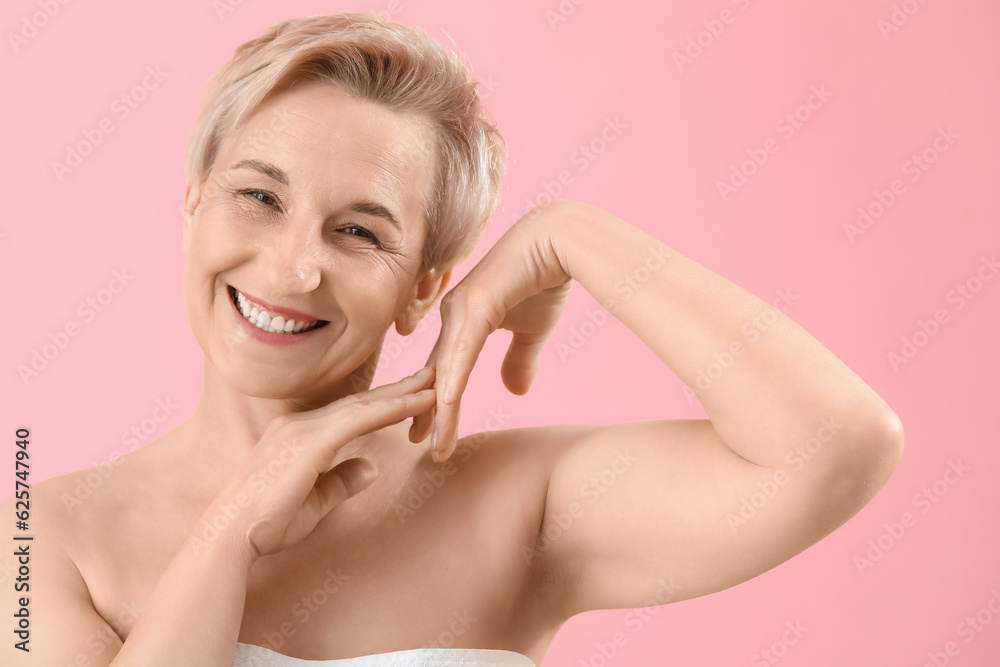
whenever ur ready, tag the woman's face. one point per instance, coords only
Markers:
(315, 208)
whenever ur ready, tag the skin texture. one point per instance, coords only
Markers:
(525, 527)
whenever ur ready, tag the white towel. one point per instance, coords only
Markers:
(250, 655)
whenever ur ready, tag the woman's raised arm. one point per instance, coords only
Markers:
(795, 443)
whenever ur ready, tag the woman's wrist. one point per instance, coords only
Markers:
(218, 534)
(566, 224)
(601, 251)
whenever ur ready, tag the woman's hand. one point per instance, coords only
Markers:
(520, 285)
(284, 489)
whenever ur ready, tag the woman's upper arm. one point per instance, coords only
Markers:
(62, 625)
(658, 511)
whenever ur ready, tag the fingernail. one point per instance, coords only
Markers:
(434, 456)
(434, 438)
(443, 395)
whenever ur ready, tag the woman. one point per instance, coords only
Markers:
(339, 170)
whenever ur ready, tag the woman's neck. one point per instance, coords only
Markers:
(227, 424)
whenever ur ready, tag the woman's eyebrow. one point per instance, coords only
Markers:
(371, 208)
(271, 171)
(276, 173)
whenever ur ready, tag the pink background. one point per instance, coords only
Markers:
(554, 86)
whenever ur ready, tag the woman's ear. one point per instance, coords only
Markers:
(192, 197)
(426, 292)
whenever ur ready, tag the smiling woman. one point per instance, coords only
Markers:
(340, 169)
(338, 191)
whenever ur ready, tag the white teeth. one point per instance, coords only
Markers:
(263, 319)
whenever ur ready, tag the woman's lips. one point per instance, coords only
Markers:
(268, 336)
(288, 313)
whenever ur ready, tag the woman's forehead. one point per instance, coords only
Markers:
(317, 131)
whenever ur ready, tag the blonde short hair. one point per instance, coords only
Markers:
(377, 60)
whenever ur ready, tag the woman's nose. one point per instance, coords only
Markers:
(291, 260)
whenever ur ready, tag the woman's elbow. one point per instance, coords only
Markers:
(869, 459)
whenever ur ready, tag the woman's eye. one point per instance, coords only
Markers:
(362, 232)
(265, 198)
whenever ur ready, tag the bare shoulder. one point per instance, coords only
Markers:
(61, 513)
(72, 508)
(521, 446)
(42, 582)
(45, 505)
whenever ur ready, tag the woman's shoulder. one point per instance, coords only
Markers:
(42, 516)
(63, 504)
(78, 506)
(527, 446)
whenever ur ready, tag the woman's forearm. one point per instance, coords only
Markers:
(194, 614)
(765, 383)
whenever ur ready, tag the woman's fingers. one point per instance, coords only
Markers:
(422, 379)
(344, 480)
(331, 488)
(422, 426)
(455, 369)
(423, 423)
(446, 429)
(370, 414)
(521, 362)
(294, 455)
(460, 355)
